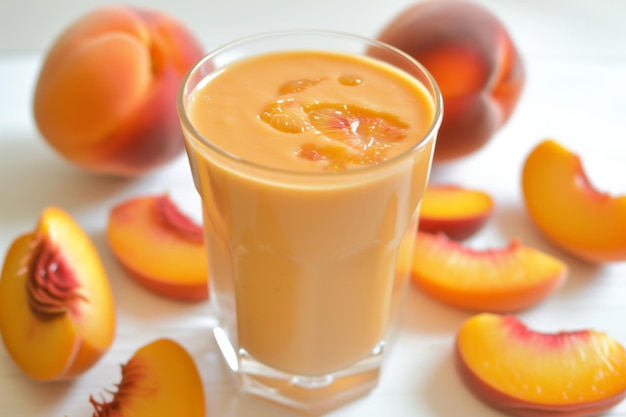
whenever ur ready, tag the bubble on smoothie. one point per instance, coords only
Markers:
(296, 86)
(350, 80)
(287, 116)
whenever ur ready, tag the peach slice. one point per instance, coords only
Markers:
(160, 380)
(57, 312)
(497, 280)
(455, 211)
(530, 374)
(567, 208)
(105, 95)
(477, 66)
(162, 247)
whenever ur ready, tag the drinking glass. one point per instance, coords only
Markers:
(307, 269)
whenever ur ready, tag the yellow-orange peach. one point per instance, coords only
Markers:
(500, 280)
(161, 247)
(455, 211)
(567, 208)
(473, 58)
(526, 373)
(105, 97)
(57, 313)
(160, 380)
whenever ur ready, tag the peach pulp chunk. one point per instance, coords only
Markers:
(506, 279)
(531, 374)
(455, 211)
(305, 223)
(160, 380)
(57, 313)
(161, 247)
(567, 208)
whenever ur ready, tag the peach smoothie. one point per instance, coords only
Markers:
(311, 168)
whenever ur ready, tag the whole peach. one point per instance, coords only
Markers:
(105, 97)
(473, 59)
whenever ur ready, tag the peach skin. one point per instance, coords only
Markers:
(105, 97)
(501, 280)
(57, 313)
(526, 373)
(161, 247)
(160, 380)
(567, 208)
(473, 59)
(455, 211)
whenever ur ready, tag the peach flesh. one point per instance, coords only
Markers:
(161, 247)
(160, 380)
(567, 208)
(507, 279)
(57, 314)
(590, 365)
(455, 211)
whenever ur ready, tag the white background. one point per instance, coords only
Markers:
(575, 56)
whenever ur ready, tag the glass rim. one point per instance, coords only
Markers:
(432, 87)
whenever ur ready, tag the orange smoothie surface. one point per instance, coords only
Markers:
(311, 110)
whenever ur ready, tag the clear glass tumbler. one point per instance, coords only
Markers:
(308, 267)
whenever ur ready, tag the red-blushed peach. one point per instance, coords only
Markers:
(472, 57)
(526, 373)
(105, 97)
(500, 280)
(57, 312)
(567, 208)
(161, 379)
(162, 248)
(455, 211)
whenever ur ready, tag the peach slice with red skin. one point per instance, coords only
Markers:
(455, 211)
(161, 247)
(161, 379)
(526, 373)
(57, 312)
(105, 95)
(567, 208)
(477, 66)
(500, 280)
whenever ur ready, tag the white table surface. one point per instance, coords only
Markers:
(575, 54)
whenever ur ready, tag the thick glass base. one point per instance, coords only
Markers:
(305, 395)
